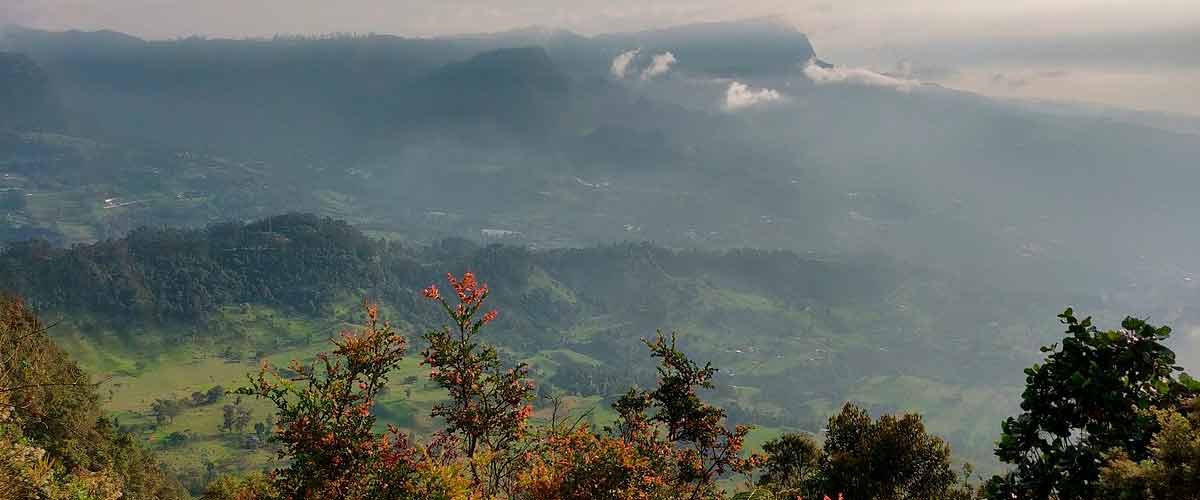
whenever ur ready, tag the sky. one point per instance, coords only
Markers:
(1139, 54)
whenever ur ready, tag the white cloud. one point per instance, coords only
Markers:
(660, 64)
(620, 64)
(741, 96)
(856, 76)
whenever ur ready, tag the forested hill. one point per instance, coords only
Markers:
(796, 334)
(304, 263)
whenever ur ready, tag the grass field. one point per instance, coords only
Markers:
(140, 364)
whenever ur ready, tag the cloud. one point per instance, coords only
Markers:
(620, 64)
(856, 76)
(1016, 80)
(660, 64)
(741, 96)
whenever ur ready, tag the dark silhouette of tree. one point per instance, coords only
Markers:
(1089, 397)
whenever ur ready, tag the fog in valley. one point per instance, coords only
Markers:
(830, 201)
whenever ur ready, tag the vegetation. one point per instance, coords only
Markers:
(915, 227)
(665, 442)
(1170, 472)
(797, 335)
(1094, 397)
(55, 442)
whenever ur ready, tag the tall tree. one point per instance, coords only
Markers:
(1091, 395)
(892, 458)
(793, 465)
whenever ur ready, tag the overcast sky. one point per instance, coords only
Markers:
(1140, 54)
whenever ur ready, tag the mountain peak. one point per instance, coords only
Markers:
(746, 47)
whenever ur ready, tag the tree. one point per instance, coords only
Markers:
(572, 462)
(1089, 398)
(693, 433)
(792, 466)
(1172, 472)
(889, 459)
(175, 439)
(235, 418)
(165, 410)
(325, 425)
(214, 394)
(489, 403)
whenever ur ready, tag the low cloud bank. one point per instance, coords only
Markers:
(856, 76)
(739, 96)
(659, 65)
(627, 63)
(620, 64)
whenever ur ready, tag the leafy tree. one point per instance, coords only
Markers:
(673, 421)
(892, 458)
(488, 406)
(572, 462)
(1172, 472)
(325, 425)
(214, 394)
(165, 410)
(175, 439)
(792, 466)
(1089, 397)
(235, 418)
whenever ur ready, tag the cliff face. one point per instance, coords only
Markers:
(27, 98)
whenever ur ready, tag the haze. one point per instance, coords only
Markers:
(992, 47)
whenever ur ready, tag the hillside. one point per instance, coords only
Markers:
(795, 336)
(28, 100)
(822, 233)
(381, 130)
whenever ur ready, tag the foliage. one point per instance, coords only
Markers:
(694, 433)
(247, 487)
(325, 424)
(792, 466)
(488, 406)
(1089, 398)
(572, 462)
(892, 458)
(235, 418)
(1171, 472)
(54, 443)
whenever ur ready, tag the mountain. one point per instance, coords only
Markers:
(567, 154)
(520, 88)
(890, 222)
(28, 100)
(756, 47)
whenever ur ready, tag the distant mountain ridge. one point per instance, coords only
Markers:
(28, 100)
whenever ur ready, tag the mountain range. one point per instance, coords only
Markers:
(959, 222)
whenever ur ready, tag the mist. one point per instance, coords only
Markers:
(820, 198)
